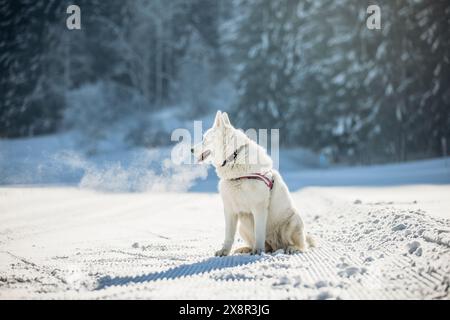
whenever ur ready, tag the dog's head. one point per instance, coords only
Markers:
(219, 142)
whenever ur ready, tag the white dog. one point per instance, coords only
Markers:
(253, 193)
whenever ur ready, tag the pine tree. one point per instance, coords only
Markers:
(24, 109)
(315, 70)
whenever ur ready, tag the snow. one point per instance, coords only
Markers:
(434, 199)
(434, 171)
(382, 232)
(58, 159)
(81, 244)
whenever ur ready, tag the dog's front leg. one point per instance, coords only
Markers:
(230, 231)
(260, 217)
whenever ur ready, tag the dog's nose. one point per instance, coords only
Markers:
(192, 150)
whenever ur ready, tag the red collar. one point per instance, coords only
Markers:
(259, 176)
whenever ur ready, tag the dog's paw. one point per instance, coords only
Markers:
(293, 250)
(222, 252)
(257, 251)
(242, 250)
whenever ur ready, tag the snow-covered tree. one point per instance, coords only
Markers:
(313, 69)
(139, 46)
(24, 105)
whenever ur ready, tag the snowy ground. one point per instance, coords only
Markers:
(383, 232)
(71, 243)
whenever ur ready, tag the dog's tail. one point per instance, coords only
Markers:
(311, 241)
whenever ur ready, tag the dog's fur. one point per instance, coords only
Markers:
(267, 218)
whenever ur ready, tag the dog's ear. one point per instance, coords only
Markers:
(226, 120)
(218, 121)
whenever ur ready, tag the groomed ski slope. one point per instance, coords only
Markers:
(69, 243)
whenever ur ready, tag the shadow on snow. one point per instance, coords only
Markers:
(208, 265)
